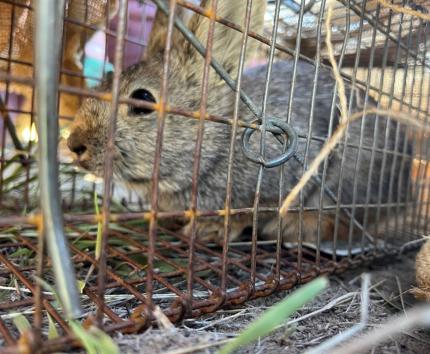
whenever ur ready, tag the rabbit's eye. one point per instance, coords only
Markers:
(144, 95)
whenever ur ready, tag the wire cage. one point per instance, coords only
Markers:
(114, 266)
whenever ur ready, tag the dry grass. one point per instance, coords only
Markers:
(404, 10)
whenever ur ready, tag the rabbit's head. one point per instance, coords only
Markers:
(135, 138)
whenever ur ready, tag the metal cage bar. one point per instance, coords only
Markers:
(49, 25)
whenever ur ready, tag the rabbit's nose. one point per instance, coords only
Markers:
(76, 145)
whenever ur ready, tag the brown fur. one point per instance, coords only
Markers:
(423, 273)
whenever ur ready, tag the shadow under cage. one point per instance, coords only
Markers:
(179, 148)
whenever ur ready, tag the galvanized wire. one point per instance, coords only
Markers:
(49, 19)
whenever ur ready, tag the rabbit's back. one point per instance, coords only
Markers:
(373, 165)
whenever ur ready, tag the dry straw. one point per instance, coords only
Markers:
(336, 73)
(404, 10)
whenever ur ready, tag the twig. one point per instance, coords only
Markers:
(401, 294)
(326, 307)
(331, 305)
(350, 304)
(328, 345)
(221, 320)
(417, 317)
(318, 339)
(162, 319)
(198, 347)
(18, 290)
(388, 301)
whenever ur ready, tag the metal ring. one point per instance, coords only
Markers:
(278, 128)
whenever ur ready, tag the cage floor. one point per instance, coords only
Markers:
(125, 301)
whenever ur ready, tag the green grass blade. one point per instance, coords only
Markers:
(48, 287)
(21, 323)
(86, 340)
(94, 340)
(99, 227)
(277, 314)
(81, 286)
(52, 329)
(104, 342)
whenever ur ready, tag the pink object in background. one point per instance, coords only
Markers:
(96, 46)
(140, 20)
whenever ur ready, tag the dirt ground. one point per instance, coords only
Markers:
(388, 295)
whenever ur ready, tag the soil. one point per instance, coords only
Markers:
(389, 294)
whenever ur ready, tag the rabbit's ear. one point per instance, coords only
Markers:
(227, 41)
(157, 40)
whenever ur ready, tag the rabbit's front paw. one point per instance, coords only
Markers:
(212, 229)
(310, 224)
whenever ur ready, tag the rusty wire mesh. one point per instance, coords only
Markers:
(144, 263)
